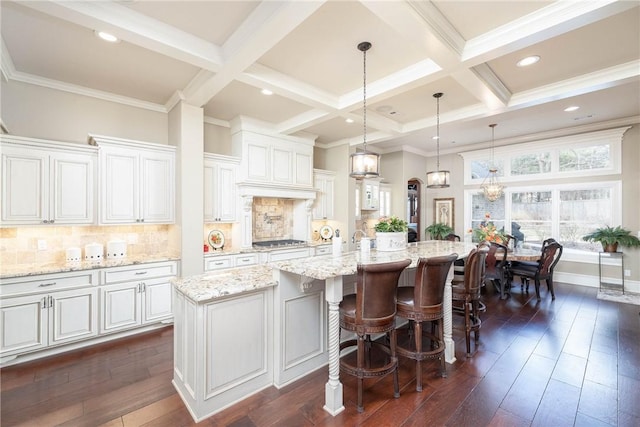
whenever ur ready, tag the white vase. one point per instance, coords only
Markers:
(387, 242)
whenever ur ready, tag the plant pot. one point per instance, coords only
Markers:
(387, 242)
(613, 247)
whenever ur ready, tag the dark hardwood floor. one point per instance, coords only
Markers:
(574, 361)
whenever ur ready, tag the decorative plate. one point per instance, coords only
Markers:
(216, 239)
(326, 232)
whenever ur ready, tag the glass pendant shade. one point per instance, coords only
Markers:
(438, 179)
(364, 164)
(491, 188)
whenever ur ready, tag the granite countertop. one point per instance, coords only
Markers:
(236, 251)
(324, 267)
(216, 284)
(25, 270)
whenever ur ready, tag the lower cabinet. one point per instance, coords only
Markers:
(131, 304)
(40, 315)
(35, 322)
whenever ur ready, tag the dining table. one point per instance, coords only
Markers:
(516, 255)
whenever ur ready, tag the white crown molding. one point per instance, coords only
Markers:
(217, 122)
(492, 82)
(440, 25)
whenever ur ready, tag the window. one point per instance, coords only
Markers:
(553, 188)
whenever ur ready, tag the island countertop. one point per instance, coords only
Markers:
(221, 283)
(324, 267)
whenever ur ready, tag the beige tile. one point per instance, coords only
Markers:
(8, 233)
(25, 257)
(8, 258)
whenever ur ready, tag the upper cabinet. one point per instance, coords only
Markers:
(220, 188)
(385, 199)
(47, 182)
(323, 182)
(137, 181)
(282, 161)
(370, 192)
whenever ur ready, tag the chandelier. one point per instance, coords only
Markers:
(438, 178)
(364, 164)
(491, 188)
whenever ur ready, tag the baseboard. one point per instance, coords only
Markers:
(632, 286)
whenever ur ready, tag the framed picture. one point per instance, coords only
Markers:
(443, 211)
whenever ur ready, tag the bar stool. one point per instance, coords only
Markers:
(372, 310)
(467, 293)
(423, 303)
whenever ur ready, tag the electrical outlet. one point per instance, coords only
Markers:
(42, 245)
(627, 273)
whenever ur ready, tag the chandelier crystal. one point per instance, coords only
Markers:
(364, 164)
(491, 188)
(438, 178)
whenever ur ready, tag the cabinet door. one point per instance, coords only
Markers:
(24, 192)
(158, 296)
(370, 195)
(258, 161)
(157, 187)
(385, 200)
(23, 324)
(74, 315)
(226, 192)
(121, 306)
(119, 186)
(73, 188)
(282, 165)
(304, 168)
(210, 203)
(323, 205)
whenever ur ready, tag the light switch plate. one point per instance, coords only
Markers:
(42, 245)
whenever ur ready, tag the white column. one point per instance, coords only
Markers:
(333, 389)
(449, 344)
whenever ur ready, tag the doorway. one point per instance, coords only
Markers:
(413, 206)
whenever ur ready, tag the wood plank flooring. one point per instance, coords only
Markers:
(571, 362)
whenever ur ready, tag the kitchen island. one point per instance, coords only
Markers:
(240, 330)
(333, 271)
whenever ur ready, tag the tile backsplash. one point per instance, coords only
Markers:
(272, 218)
(19, 246)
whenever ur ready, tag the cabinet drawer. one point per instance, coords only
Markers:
(216, 263)
(324, 250)
(139, 272)
(242, 260)
(47, 283)
(288, 254)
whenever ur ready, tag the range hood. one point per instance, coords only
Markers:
(272, 190)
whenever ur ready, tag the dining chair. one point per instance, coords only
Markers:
(423, 303)
(542, 270)
(526, 264)
(496, 267)
(467, 293)
(372, 310)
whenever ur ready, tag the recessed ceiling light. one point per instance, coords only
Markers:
(349, 120)
(266, 92)
(572, 108)
(106, 36)
(434, 137)
(529, 60)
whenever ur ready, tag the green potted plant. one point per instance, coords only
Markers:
(391, 234)
(438, 230)
(611, 237)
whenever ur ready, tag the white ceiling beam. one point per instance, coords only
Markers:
(135, 28)
(269, 23)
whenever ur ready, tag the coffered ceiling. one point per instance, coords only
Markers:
(220, 54)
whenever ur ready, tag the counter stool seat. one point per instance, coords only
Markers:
(372, 310)
(420, 304)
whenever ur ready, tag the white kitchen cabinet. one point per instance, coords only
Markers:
(218, 262)
(137, 181)
(32, 319)
(220, 188)
(133, 296)
(47, 182)
(269, 160)
(323, 182)
(385, 200)
(370, 192)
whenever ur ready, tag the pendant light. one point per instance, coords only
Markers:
(491, 188)
(364, 164)
(438, 178)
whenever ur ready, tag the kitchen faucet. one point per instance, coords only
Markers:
(353, 238)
